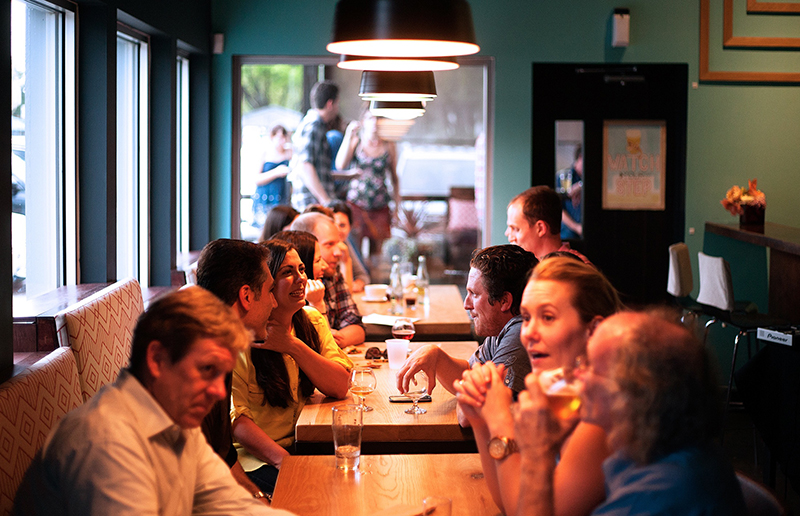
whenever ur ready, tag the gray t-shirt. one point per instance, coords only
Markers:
(506, 348)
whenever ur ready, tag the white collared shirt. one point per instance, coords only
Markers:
(120, 453)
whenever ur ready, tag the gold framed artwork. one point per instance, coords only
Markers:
(709, 75)
(634, 164)
(731, 41)
(754, 6)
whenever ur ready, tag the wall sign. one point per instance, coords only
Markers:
(634, 159)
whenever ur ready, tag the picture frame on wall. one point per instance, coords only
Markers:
(634, 164)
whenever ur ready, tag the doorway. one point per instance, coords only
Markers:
(444, 157)
(599, 106)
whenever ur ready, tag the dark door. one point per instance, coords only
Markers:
(630, 247)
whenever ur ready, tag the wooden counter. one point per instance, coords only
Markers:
(445, 319)
(390, 485)
(784, 263)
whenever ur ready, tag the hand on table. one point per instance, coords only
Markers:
(423, 359)
(339, 338)
(358, 286)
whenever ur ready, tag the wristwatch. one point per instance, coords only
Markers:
(501, 447)
(258, 495)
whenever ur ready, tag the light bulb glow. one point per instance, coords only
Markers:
(397, 97)
(397, 65)
(403, 48)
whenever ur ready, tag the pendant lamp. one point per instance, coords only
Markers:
(397, 110)
(403, 28)
(397, 86)
(408, 64)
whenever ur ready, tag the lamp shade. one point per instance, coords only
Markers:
(397, 110)
(397, 86)
(403, 28)
(406, 64)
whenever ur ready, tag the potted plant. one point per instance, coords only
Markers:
(749, 203)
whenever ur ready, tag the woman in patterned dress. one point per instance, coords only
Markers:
(368, 193)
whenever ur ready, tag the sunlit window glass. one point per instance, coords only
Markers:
(182, 168)
(132, 159)
(42, 142)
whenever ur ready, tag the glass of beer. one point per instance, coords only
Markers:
(562, 388)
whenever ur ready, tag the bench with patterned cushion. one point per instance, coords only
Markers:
(99, 330)
(31, 403)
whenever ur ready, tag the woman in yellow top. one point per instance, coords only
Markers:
(271, 384)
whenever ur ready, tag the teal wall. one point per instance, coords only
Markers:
(735, 132)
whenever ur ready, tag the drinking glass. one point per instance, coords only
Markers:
(362, 383)
(346, 424)
(562, 388)
(417, 388)
(436, 505)
(403, 328)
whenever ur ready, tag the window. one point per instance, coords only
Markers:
(182, 165)
(43, 148)
(132, 156)
(443, 166)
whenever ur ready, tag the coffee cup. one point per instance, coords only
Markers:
(375, 291)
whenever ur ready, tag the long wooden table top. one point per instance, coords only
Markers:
(445, 319)
(776, 236)
(387, 423)
(387, 485)
(784, 262)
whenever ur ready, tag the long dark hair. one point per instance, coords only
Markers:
(304, 243)
(278, 218)
(271, 373)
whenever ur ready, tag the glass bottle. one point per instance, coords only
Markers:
(396, 288)
(423, 281)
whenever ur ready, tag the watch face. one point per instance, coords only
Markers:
(497, 448)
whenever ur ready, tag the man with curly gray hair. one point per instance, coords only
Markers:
(651, 385)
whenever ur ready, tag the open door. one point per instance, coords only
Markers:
(628, 121)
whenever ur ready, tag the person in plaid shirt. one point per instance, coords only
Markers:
(312, 152)
(343, 315)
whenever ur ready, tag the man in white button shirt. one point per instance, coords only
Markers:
(136, 447)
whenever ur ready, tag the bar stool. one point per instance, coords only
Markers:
(716, 293)
(680, 281)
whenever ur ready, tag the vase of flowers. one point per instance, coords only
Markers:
(749, 203)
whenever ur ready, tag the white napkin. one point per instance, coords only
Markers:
(384, 320)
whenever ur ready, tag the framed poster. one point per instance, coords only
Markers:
(634, 159)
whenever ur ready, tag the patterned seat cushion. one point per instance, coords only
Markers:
(99, 330)
(31, 403)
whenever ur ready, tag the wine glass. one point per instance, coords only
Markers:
(417, 388)
(403, 328)
(362, 383)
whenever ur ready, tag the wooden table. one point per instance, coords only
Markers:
(392, 485)
(784, 263)
(445, 319)
(387, 429)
